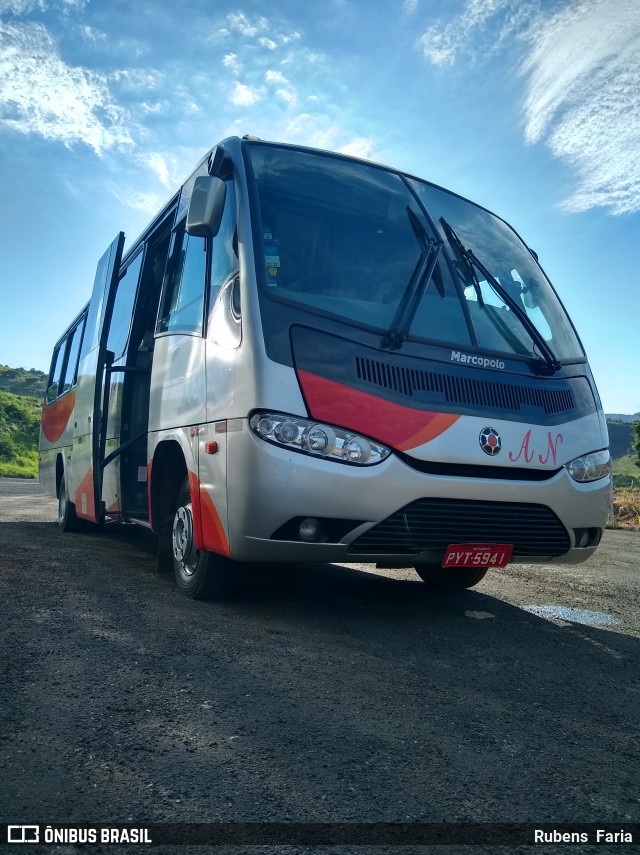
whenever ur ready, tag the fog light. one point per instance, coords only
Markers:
(582, 537)
(309, 530)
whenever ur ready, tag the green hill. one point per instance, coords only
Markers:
(22, 381)
(620, 437)
(19, 430)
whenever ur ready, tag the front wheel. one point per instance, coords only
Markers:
(453, 579)
(199, 575)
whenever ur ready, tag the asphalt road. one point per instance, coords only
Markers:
(326, 694)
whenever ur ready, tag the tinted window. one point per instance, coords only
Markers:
(56, 371)
(73, 351)
(339, 237)
(183, 303)
(123, 307)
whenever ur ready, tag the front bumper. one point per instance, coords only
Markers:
(268, 486)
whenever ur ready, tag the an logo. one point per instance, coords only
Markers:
(490, 441)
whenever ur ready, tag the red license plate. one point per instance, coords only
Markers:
(477, 555)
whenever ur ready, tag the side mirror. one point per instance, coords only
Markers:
(206, 206)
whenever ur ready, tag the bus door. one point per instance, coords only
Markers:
(88, 436)
(131, 349)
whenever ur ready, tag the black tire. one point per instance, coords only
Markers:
(437, 578)
(67, 517)
(199, 575)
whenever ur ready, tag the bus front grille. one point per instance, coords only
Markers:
(438, 386)
(433, 524)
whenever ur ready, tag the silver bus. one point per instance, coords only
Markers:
(307, 357)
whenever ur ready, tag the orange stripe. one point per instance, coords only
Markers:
(209, 533)
(55, 417)
(436, 426)
(215, 538)
(393, 424)
(86, 487)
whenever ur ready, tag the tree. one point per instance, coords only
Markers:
(635, 426)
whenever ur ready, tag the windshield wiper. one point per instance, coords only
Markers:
(405, 313)
(463, 261)
(473, 263)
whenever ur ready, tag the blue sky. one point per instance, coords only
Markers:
(529, 108)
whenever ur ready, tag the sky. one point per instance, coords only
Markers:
(531, 109)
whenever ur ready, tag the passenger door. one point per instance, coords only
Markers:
(90, 420)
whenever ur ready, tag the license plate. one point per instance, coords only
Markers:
(477, 555)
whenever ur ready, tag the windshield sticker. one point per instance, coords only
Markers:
(271, 258)
(483, 361)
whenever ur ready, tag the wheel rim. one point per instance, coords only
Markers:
(184, 547)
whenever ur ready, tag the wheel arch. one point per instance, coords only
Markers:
(168, 471)
(60, 472)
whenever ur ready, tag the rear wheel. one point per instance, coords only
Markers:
(67, 517)
(199, 575)
(452, 579)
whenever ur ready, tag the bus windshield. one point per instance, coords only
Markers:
(343, 238)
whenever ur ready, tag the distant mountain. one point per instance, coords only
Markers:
(622, 417)
(22, 381)
(620, 437)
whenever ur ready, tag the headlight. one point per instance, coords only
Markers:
(590, 467)
(318, 439)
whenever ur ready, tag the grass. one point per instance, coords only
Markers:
(22, 465)
(625, 471)
(626, 508)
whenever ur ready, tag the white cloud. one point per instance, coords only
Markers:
(441, 43)
(359, 147)
(92, 35)
(149, 203)
(137, 79)
(157, 163)
(284, 90)
(230, 61)
(239, 22)
(244, 96)
(290, 37)
(41, 94)
(582, 73)
(21, 7)
(263, 41)
(319, 130)
(583, 99)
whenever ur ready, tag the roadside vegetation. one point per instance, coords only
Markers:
(626, 508)
(19, 429)
(626, 483)
(21, 393)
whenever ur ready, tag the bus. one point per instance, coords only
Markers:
(310, 357)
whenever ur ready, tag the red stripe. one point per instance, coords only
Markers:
(55, 417)
(400, 427)
(208, 532)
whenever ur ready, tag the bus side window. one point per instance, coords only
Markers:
(56, 371)
(123, 307)
(183, 299)
(73, 352)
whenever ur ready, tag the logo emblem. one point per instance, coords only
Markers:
(490, 441)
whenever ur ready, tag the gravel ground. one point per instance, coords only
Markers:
(319, 694)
